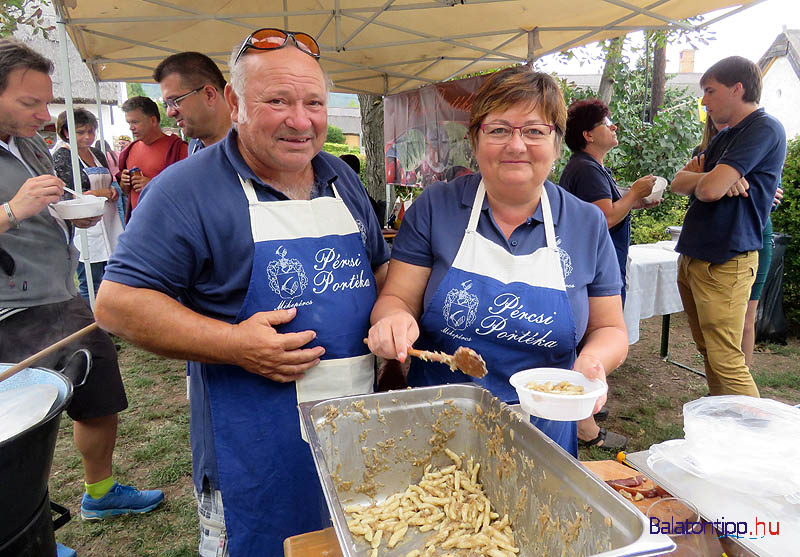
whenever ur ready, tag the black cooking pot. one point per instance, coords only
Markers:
(26, 458)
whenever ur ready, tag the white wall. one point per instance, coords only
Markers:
(780, 96)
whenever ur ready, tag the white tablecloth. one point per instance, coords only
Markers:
(652, 287)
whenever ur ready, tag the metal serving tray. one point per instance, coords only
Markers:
(369, 446)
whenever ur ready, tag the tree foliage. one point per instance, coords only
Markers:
(335, 135)
(786, 219)
(24, 13)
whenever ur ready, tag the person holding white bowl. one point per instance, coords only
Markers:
(504, 261)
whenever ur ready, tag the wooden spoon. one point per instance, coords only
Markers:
(47, 351)
(465, 360)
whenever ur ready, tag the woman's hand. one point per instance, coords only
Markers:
(643, 186)
(392, 336)
(592, 368)
(778, 197)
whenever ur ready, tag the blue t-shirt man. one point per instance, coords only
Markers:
(718, 230)
(192, 241)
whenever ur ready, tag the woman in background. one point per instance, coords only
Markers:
(95, 180)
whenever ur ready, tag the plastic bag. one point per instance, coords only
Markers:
(747, 444)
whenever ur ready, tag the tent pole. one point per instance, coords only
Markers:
(73, 142)
(100, 115)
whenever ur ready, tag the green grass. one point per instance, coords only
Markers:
(778, 379)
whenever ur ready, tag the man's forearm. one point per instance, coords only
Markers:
(685, 182)
(162, 325)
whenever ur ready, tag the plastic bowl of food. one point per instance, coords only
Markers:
(557, 394)
(83, 207)
(658, 190)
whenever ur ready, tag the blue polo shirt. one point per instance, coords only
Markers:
(190, 238)
(718, 230)
(434, 226)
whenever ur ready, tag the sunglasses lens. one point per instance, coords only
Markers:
(307, 43)
(266, 39)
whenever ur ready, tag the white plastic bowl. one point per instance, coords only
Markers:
(658, 190)
(80, 208)
(564, 408)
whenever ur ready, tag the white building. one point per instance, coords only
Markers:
(780, 67)
(112, 95)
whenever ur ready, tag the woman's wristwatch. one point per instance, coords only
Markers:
(10, 214)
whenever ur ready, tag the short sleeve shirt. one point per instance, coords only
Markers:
(433, 229)
(716, 231)
(587, 179)
(190, 238)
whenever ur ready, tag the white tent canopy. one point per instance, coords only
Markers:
(370, 46)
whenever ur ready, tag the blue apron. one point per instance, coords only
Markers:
(513, 310)
(308, 255)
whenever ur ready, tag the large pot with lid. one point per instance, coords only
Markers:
(26, 458)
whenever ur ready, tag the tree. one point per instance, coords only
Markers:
(613, 51)
(372, 132)
(29, 13)
(335, 135)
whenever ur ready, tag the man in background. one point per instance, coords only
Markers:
(151, 151)
(732, 186)
(38, 302)
(192, 88)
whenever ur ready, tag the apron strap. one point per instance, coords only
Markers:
(249, 191)
(477, 206)
(547, 215)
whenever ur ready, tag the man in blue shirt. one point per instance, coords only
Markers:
(192, 86)
(732, 186)
(258, 260)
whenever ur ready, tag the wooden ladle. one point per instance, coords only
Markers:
(47, 351)
(465, 360)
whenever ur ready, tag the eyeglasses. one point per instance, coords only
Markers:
(606, 122)
(174, 103)
(273, 39)
(531, 134)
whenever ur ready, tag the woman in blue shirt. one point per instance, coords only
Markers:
(503, 261)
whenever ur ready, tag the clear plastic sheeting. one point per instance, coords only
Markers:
(747, 444)
(24, 407)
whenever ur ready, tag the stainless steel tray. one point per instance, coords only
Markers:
(371, 446)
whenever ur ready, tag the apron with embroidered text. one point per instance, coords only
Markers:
(309, 255)
(513, 310)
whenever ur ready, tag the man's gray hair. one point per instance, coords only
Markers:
(238, 73)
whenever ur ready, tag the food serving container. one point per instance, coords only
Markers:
(658, 190)
(554, 406)
(84, 207)
(368, 447)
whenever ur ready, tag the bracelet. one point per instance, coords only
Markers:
(10, 214)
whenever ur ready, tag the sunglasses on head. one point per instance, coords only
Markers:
(273, 39)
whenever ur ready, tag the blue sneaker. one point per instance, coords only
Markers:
(120, 499)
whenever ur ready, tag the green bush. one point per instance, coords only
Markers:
(340, 149)
(786, 219)
(335, 135)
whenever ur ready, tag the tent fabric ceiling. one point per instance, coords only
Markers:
(370, 46)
